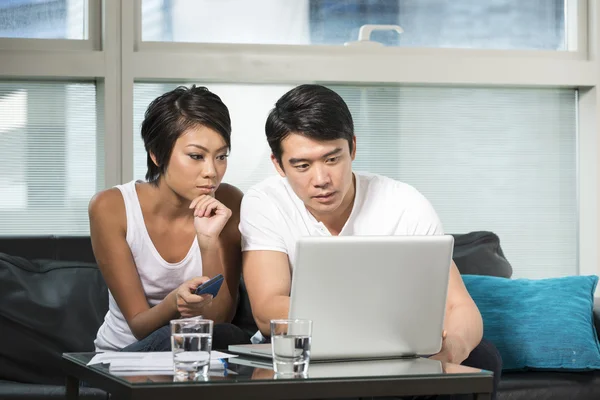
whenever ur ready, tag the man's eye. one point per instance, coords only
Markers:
(196, 156)
(301, 166)
(332, 159)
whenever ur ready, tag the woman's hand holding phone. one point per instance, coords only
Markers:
(211, 286)
(189, 304)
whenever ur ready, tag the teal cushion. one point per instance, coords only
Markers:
(539, 324)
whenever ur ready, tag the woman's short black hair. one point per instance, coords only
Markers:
(313, 111)
(171, 114)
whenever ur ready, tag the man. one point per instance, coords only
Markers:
(311, 135)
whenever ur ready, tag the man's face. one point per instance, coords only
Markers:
(319, 172)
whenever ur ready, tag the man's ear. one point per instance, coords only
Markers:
(353, 154)
(277, 166)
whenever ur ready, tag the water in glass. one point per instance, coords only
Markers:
(291, 353)
(191, 353)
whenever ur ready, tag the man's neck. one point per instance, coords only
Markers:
(335, 222)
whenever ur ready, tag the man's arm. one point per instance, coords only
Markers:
(463, 324)
(268, 281)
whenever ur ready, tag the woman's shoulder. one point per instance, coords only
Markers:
(106, 200)
(108, 206)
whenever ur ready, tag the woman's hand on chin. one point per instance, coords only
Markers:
(210, 217)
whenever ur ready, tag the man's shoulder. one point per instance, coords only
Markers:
(270, 195)
(399, 203)
(385, 193)
(378, 184)
(273, 185)
(263, 216)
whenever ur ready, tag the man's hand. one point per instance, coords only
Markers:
(454, 350)
(210, 217)
(190, 304)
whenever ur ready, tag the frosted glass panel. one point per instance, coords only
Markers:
(502, 160)
(50, 157)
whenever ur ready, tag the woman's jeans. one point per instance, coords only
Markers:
(160, 340)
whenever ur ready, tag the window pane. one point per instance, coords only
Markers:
(44, 19)
(50, 157)
(490, 24)
(502, 160)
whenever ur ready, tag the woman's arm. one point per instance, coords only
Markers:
(223, 256)
(108, 229)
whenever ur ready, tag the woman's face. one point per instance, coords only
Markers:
(198, 163)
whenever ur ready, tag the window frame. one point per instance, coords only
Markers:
(93, 23)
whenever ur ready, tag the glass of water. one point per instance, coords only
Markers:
(290, 344)
(191, 342)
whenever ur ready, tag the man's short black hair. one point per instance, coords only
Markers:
(313, 111)
(171, 114)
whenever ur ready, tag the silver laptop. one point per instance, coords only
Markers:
(369, 296)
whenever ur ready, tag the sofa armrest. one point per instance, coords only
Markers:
(597, 315)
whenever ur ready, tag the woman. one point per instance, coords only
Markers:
(156, 241)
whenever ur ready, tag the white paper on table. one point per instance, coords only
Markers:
(157, 362)
(211, 372)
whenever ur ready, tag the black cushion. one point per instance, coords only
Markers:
(66, 248)
(479, 253)
(20, 391)
(47, 307)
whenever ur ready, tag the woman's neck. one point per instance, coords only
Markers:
(162, 201)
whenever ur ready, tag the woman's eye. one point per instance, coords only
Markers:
(196, 156)
(222, 157)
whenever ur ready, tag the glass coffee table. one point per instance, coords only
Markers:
(245, 378)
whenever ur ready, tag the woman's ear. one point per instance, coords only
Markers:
(153, 158)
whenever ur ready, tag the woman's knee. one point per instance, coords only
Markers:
(162, 339)
(159, 340)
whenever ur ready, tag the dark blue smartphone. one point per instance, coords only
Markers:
(211, 286)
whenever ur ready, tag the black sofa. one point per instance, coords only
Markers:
(56, 305)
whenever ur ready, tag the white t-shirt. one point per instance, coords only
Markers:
(273, 217)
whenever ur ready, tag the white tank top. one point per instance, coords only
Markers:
(158, 276)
